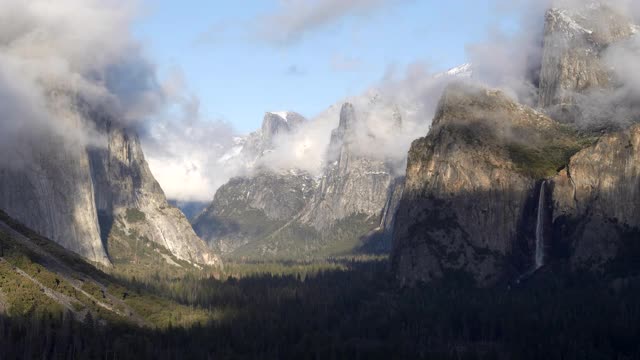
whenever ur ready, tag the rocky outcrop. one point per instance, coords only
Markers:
(470, 185)
(274, 124)
(597, 201)
(246, 210)
(123, 181)
(572, 61)
(352, 183)
(74, 193)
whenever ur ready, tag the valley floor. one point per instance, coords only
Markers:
(349, 309)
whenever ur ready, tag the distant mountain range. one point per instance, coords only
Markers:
(495, 190)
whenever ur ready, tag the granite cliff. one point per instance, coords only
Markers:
(596, 205)
(497, 190)
(77, 194)
(574, 70)
(470, 184)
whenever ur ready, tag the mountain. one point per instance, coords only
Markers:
(497, 190)
(274, 125)
(247, 209)
(352, 176)
(290, 213)
(472, 184)
(83, 196)
(352, 184)
(574, 67)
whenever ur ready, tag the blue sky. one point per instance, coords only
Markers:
(245, 57)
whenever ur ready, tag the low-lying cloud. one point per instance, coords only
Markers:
(389, 116)
(183, 148)
(59, 58)
(512, 62)
(65, 64)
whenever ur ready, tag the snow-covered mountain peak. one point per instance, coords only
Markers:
(282, 114)
(465, 70)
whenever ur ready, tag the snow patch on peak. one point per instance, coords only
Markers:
(282, 114)
(239, 140)
(233, 153)
(568, 18)
(464, 70)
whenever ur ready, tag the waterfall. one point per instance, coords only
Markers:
(387, 206)
(540, 228)
(539, 253)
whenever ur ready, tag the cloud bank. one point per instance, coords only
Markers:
(512, 62)
(183, 148)
(66, 64)
(389, 116)
(51, 73)
(60, 59)
(507, 61)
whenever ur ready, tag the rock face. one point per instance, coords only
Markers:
(123, 181)
(473, 202)
(597, 201)
(469, 186)
(74, 194)
(574, 43)
(53, 193)
(352, 183)
(249, 209)
(245, 210)
(273, 125)
(290, 214)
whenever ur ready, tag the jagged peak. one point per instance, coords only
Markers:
(599, 21)
(462, 71)
(288, 119)
(282, 114)
(569, 19)
(286, 115)
(275, 123)
(347, 116)
(397, 118)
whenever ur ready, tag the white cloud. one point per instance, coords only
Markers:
(183, 148)
(294, 19)
(412, 96)
(57, 56)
